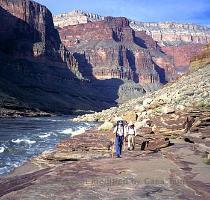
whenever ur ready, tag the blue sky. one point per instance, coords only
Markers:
(192, 11)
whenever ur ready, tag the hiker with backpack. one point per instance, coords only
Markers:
(131, 133)
(119, 131)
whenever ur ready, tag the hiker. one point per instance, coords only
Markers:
(131, 133)
(119, 131)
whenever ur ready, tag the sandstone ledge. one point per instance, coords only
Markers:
(82, 167)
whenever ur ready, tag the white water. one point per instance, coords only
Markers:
(18, 141)
(2, 149)
(23, 138)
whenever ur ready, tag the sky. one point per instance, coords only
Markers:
(187, 11)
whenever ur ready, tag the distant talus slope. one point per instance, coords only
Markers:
(190, 92)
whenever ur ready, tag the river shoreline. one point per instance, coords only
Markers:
(25, 137)
(76, 170)
(5, 113)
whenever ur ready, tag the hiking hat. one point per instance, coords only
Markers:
(117, 119)
(131, 124)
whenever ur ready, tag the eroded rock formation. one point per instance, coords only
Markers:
(167, 33)
(182, 54)
(180, 41)
(75, 17)
(201, 59)
(37, 71)
(118, 52)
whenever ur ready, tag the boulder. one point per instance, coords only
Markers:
(141, 116)
(106, 126)
(140, 108)
(147, 102)
(157, 144)
(180, 107)
(168, 110)
(130, 116)
(171, 125)
(161, 102)
(145, 131)
(141, 124)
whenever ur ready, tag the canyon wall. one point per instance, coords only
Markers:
(179, 41)
(168, 33)
(181, 55)
(37, 72)
(165, 33)
(202, 59)
(110, 49)
(27, 30)
(75, 17)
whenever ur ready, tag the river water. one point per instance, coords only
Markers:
(23, 138)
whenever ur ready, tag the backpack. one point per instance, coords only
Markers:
(118, 122)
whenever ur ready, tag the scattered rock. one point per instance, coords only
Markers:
(141, 124)
(180, 107)
(147, 102)
(168, 110)
(130, 116)
(106, 126)
(140, 108)
(157, 144)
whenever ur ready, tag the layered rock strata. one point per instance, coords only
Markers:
(165, 33)
(176, 39)
(181, 55)
(75, 17)
(37, 71)
(174, 33)
(171, 158)
(118, 53)
(201, 59)
(190, 92)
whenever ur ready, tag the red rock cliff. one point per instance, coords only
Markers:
(180, 41)
(201, 59)
(36, 70)
(111, 49)
(182, 54)
(29, 31)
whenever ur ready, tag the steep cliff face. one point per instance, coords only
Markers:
(117, 52)
(36, 70)
(202, 59)
(179, 41)
(75, 17)
(29, 29)
(174, 33)
(165, 33)
(100, 55)
(182, 54)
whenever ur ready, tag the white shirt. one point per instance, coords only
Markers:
(119, 130)
(131, 131)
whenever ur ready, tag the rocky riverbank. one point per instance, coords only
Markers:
(171, 159)
(83, 167)
(18, 112)
(191, 91)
